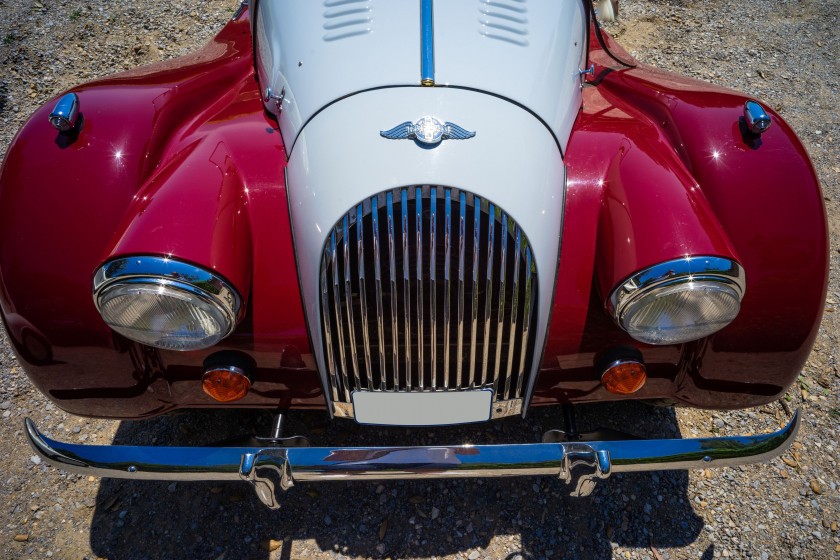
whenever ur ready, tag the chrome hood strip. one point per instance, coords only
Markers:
(427, 44)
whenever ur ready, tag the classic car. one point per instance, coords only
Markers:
(409, 213)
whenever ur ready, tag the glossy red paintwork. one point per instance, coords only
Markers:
(756, 201)
(179, 159)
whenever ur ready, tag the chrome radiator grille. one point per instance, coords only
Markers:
(427, 289)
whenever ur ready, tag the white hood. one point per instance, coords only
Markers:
(528, 52)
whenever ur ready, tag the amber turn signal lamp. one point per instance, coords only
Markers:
(622, 370)
(226, 384)
(624, 377)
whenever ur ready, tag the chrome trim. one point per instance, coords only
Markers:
(488, 303)
(619, 362)
(474, 327)
(348, 301)
(419, 225)
(454, 344)
(433, 277)
(310, 464)
(447, 282)
(327, 331)
(240, 10)
(342, 370)
(514, 312)
(756, 117)
(677, 271)
(65, 113)
(500, 316)
(360, 227)
(165, 271)
(406, 287)
(526, 322)
(392, 268)
(462, 235)
(505, 408)
(427, 44)
(374, 210)
(344, 410)
(429, 131)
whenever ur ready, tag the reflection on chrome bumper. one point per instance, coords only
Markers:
(267, 468)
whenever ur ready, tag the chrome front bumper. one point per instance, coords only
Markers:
(268, 468)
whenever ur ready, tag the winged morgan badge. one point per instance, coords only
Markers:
(427, 130)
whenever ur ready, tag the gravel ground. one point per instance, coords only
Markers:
(784, 52)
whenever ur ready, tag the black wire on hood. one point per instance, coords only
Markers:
(600, 36)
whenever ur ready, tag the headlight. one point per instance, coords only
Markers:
(165, 303)
(678, 301)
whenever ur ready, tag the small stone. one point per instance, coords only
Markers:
(789, 462)
(380, 489)
(172, 487)
(815, 487)
(474, 555)
(417, 499)
(91, 479)
(236, 497)
(21, 538)
(35, 459)
(327, 520)
(436, 513)
(383, 529)
(270, 545)
(833, 525)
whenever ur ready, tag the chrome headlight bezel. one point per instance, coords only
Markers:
(186, 279)
(689, 270)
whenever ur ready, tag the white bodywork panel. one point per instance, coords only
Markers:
(340, 159)
(318, 51)
(529, 52)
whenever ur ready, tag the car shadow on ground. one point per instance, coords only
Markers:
(534, 517)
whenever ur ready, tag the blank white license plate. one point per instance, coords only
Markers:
(422, 409)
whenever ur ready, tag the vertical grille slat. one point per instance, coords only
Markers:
(392, 275)
(377, 264)
(475, 266)
(420, 346)
(406, 289)
(513, 313)
(447, 283)
(462, 239)
(327, 331)
(473, 331)
(526, 321)
(342, 364)
(488, 296)
(360, 249)
(500, 315)
(433, 278)
(348, 301)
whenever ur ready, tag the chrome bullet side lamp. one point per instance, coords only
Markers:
(66, 113)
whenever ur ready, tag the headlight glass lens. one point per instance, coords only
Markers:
(677, 313)
(163, 315)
